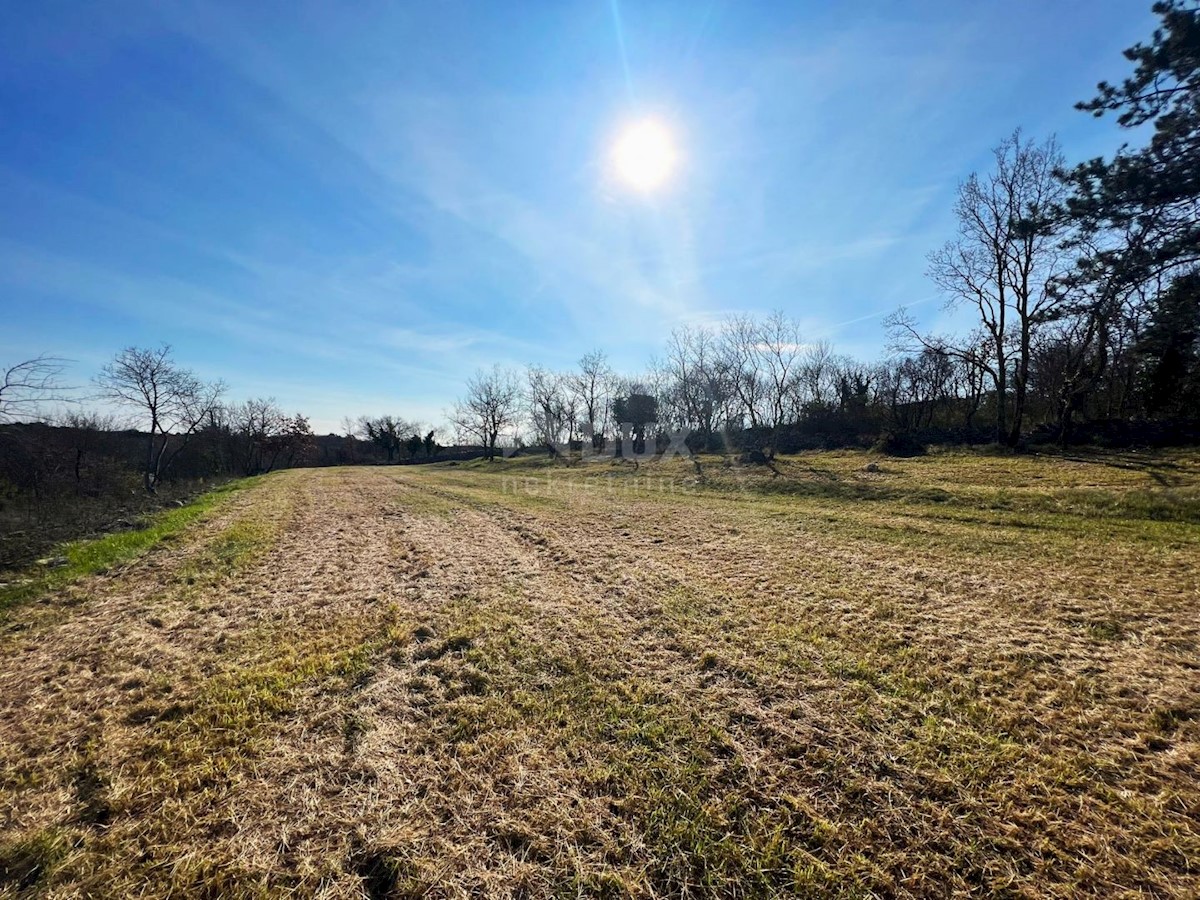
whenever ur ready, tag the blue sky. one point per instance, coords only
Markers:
(351, 206)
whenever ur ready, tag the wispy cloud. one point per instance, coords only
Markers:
(382, 198)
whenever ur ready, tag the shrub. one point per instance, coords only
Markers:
(893, 443)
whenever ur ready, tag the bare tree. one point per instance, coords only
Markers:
(30, 382)
(490, 406)
(550, 406)
(85, 430)
(969, 382)
(764, 358)
(698, 380)
(817, 377)
(1004, 263)
(915, 387)
(592, 389)
(740, 339)
(780, 350)
(170, 402)
(259, 425)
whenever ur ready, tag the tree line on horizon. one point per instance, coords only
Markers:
(161, 435)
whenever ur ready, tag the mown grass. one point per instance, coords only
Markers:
(938, 730)
(669, 778)
(26, 861)
(1162, 486)
(694, 814)
(183, 761)
(1005, 506)
(98, 555)
(702, 692)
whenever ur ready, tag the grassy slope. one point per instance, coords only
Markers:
(953, 674)
(947, 715)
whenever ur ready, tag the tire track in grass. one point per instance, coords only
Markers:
(1073, 764)
(462, 705)
(427, 686)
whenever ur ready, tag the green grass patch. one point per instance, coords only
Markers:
(234, 547)
(26, 860)
(665, 773)
(98, 555)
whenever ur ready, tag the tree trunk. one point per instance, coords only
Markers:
(1014, 434)
(1021, 379)
(1001, 403)
(147, 472)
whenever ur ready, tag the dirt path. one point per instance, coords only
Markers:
(408, 682)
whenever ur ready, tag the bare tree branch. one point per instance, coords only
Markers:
(27, 384)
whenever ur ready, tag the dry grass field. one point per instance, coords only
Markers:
(950, 674)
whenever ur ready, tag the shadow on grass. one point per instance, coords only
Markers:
(1138, 504)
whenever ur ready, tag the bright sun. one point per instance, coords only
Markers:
(644, 155)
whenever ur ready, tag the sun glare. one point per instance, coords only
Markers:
(644, 155)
